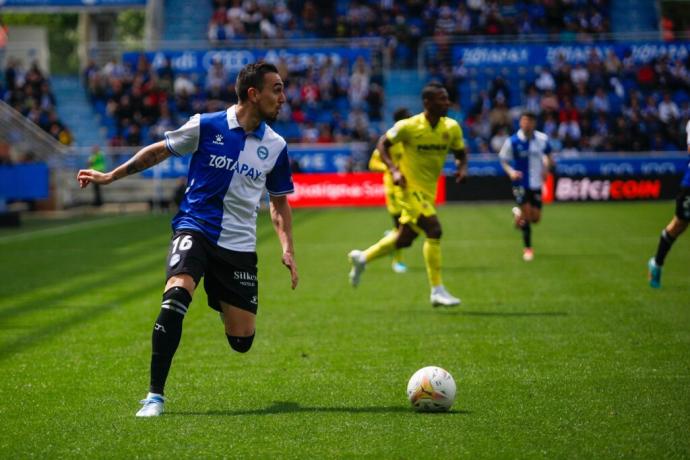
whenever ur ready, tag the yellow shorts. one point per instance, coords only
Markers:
(415, 203)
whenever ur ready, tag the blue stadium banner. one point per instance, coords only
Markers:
(534, 55)
(314, 159)
(338, 158)
(24, 181)
(638, 165)
(70, 3)
(233, 60)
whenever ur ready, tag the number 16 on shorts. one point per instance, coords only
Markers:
(180, 244)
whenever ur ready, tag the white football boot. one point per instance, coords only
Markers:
(528, 255)
(153, 406)
(442, 298)
(399, 267)
(358, 263)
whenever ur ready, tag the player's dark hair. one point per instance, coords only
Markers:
(401, 114)
(528, 114)
(430, 89)
(252, 76)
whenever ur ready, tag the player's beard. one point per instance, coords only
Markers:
(441, 112)
(271, 116)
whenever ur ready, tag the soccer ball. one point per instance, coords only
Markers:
(431, 389)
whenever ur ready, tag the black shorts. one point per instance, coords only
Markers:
(683, 204)
(523, 195)
(229, 276)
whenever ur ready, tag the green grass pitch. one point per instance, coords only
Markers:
(570, 356)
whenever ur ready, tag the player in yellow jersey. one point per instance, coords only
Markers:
(391, 190)
(426, 138)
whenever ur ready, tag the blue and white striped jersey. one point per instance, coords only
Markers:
(228, 173)
(526, 156)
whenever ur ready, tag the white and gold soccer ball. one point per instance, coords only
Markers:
(431, 389)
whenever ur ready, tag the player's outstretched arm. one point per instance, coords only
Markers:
(145, 158)
(281, 216)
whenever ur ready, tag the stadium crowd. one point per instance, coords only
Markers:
(327, 102)
(29, 92)
(608, 104)
(402, 24)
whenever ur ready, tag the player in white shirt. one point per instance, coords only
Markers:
(526, 159)
(235, 156)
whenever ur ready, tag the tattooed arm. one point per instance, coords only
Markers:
(145, 158)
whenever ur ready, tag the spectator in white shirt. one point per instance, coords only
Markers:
(359, 83)
(579, 74)
(545, 81)
(183, 85)
(600, 101)
(499, 139)
(668, 109)
(217, 76)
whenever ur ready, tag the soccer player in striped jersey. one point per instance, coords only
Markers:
(427, 138)
(235, 156)
(390, 189)
(526, 158)
(675, 228)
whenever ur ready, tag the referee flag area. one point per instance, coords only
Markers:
(569, 356)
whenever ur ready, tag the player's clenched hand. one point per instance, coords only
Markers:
(289, 262)
(86, 176)
(515, 175)
(460, 174)
(398, 178)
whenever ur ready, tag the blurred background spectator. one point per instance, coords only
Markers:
(29, 92)
(585, 104)
(326, 102)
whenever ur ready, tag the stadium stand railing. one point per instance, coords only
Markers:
(26, 137)
(152, 190)
(102, 52)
